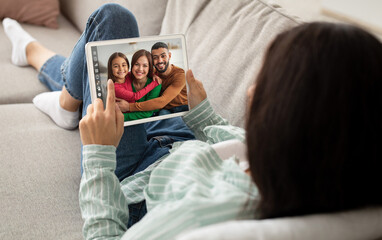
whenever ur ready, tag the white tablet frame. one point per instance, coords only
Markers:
(129, 41)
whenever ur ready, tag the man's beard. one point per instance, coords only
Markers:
(165, 68)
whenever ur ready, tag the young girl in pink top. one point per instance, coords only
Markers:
(118, 71)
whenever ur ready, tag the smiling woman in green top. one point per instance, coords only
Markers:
(140, 76)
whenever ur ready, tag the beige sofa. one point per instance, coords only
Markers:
(40, 163)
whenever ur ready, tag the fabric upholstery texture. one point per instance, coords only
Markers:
(39, 12)
(226, 45)
(149, 14)
(40, 176)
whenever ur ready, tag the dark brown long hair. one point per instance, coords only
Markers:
(110, 67)
(139, 54)
(314, 128)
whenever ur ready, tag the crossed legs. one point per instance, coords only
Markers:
(60, 106)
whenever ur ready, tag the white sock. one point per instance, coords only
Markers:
(19, 39)
(49, 103)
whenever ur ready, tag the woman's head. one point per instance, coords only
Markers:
(142, 65)
(315, 124)
(117, 67)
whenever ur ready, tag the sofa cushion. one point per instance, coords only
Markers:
(351, 225)
(20, 85)
(226, 45)
(39, 12)
(40, 176)
(149, 13)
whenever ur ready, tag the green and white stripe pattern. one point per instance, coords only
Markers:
(189, 188)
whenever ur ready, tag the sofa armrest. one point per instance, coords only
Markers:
(349, 225)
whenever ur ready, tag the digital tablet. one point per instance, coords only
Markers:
(137, 84)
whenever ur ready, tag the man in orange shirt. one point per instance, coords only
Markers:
(173, 96)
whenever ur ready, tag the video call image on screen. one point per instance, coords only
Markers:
(101, 53)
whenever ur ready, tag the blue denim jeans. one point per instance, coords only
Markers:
(141, 145)
(177, 109)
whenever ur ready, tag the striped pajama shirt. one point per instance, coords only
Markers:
(189, 188)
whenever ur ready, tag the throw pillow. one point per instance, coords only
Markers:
(38, 12)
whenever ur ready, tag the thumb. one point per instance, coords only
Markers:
(193, 83)
(190, 77)
(196, 90)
